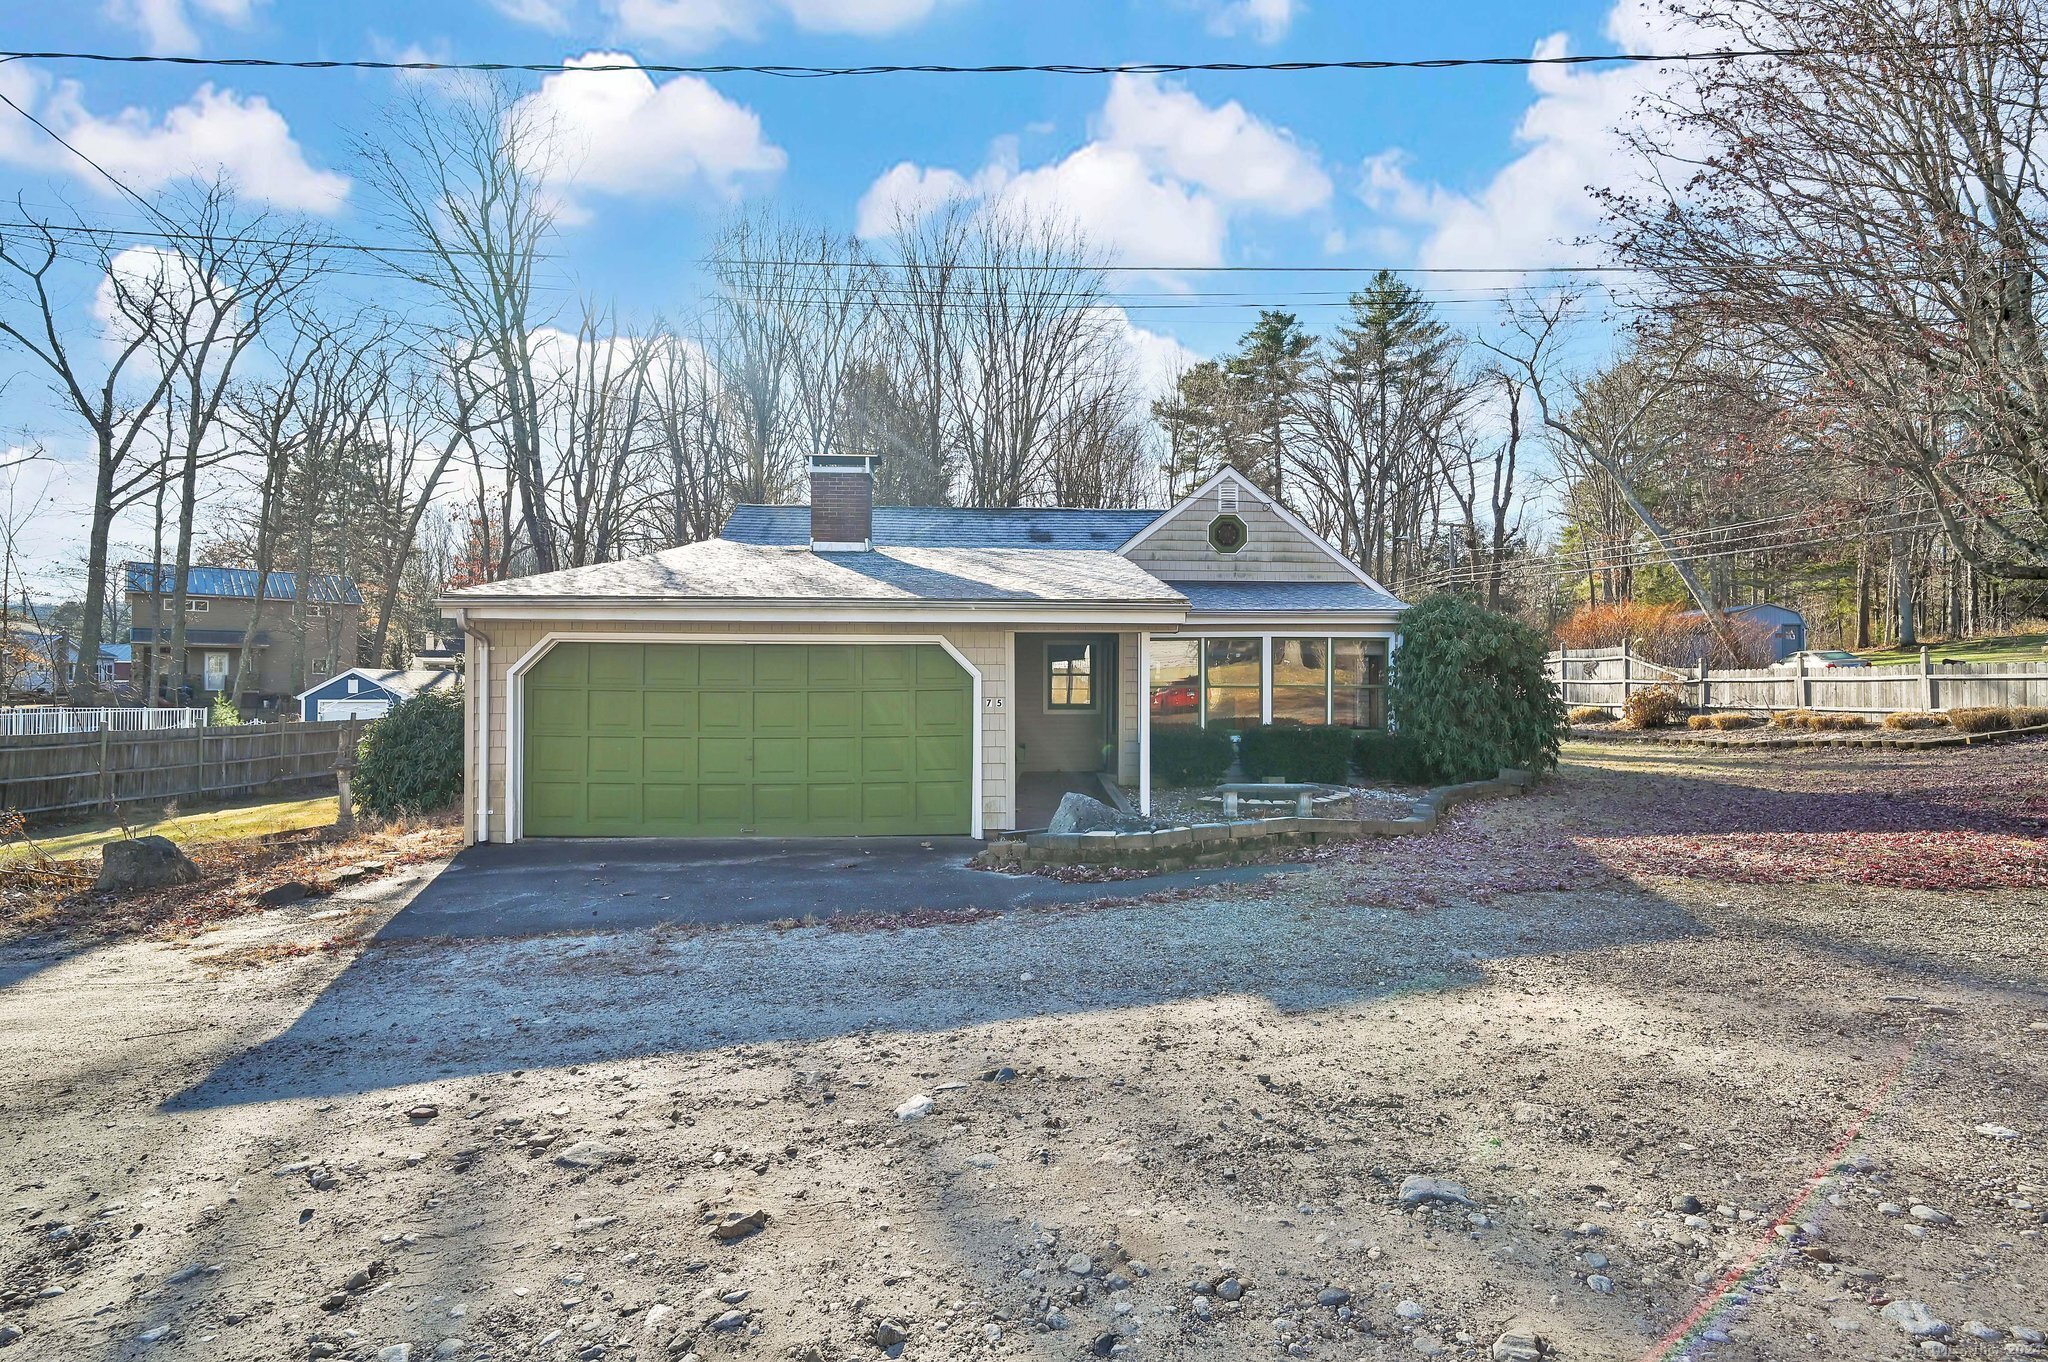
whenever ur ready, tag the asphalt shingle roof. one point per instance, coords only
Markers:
(1281, 598)
(937, 527)
(329, 588)
(722, 570)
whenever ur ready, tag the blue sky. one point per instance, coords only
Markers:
(1474, 167)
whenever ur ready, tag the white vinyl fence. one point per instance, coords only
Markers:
(44, 720)
(1606, 677)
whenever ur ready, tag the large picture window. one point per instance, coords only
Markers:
(1069, 674)
(1232, 679)
(1218, 682)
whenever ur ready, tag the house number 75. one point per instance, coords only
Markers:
(991, 704)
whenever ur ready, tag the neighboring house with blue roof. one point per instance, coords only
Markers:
(293, 641)
(370, 692)
(841, 668)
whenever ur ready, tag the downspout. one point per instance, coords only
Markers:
(483, 724)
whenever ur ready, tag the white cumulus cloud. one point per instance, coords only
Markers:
(167, 24)
(618, 132)
(1267, 21)
(1159, 182)
(216, 132)
(1224, 150)
(693, 25)
(1536, 209)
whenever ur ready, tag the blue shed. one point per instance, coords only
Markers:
(368, 693)
(1779, 630)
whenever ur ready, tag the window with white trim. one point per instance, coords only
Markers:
(197, 605)
(1069, 674)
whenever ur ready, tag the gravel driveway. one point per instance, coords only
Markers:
(1176, 1125)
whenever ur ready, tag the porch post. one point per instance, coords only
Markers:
(1266, 678)
(1145, 723)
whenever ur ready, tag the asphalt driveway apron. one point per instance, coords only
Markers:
(534, 887)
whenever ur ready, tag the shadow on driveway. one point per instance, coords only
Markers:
(412, 1010)
(541, 887)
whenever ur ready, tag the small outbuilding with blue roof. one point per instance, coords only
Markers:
(368, 692)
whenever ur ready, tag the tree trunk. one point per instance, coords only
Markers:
(1902, 591)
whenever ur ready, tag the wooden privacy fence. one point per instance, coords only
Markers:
(1605, 677)
(81, 771)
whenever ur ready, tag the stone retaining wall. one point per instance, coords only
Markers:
(1217, 844)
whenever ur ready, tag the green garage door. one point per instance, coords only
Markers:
(722, 740)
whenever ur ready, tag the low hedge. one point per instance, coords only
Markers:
(1997, 718)
(1190, 756)
(1390, 756)
(1303, 754)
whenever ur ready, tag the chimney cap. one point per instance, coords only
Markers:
(845, 463)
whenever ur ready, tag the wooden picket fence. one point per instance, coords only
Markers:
(1604, 678)
(78, 772)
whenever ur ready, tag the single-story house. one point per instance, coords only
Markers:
(845, 669)
(368, 692)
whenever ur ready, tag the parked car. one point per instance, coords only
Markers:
(1819, 659)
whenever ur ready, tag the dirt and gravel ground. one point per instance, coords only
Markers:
(1702, 1107)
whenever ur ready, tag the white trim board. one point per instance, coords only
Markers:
(515, 709)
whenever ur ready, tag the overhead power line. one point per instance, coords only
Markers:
(1155, 68)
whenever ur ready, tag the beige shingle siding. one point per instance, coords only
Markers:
(987, 649)
(1274, 551)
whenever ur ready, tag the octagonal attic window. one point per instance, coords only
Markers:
(1226, 534)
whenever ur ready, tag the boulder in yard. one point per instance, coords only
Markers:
(1078, 813)
(129, 865)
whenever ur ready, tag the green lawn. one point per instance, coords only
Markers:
(2008, 648)
(217, 824)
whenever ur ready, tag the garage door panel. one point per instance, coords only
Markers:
(833, 712)
(616, 666)
(567, 666)
(777, 667)
(670, 805)
(723, 758)
(884, 758)
(730, 739)
(615, 758)
(832, 666)
(779, 712)
(615, 711)
(941, 711)
(832, 758)
(883, 711)
(779, 807)
(888, 665)
(555, 756)
(835, 804)
(938, 798)
(670, 711)
(669, 666)
(671, 759)
(731, 805)
(557, 711)
(614, 803)
(726, 668)
(940, 755)
(725, 712)
(778, 759)
(552, 805)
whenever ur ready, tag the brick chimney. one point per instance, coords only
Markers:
(842, 502)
